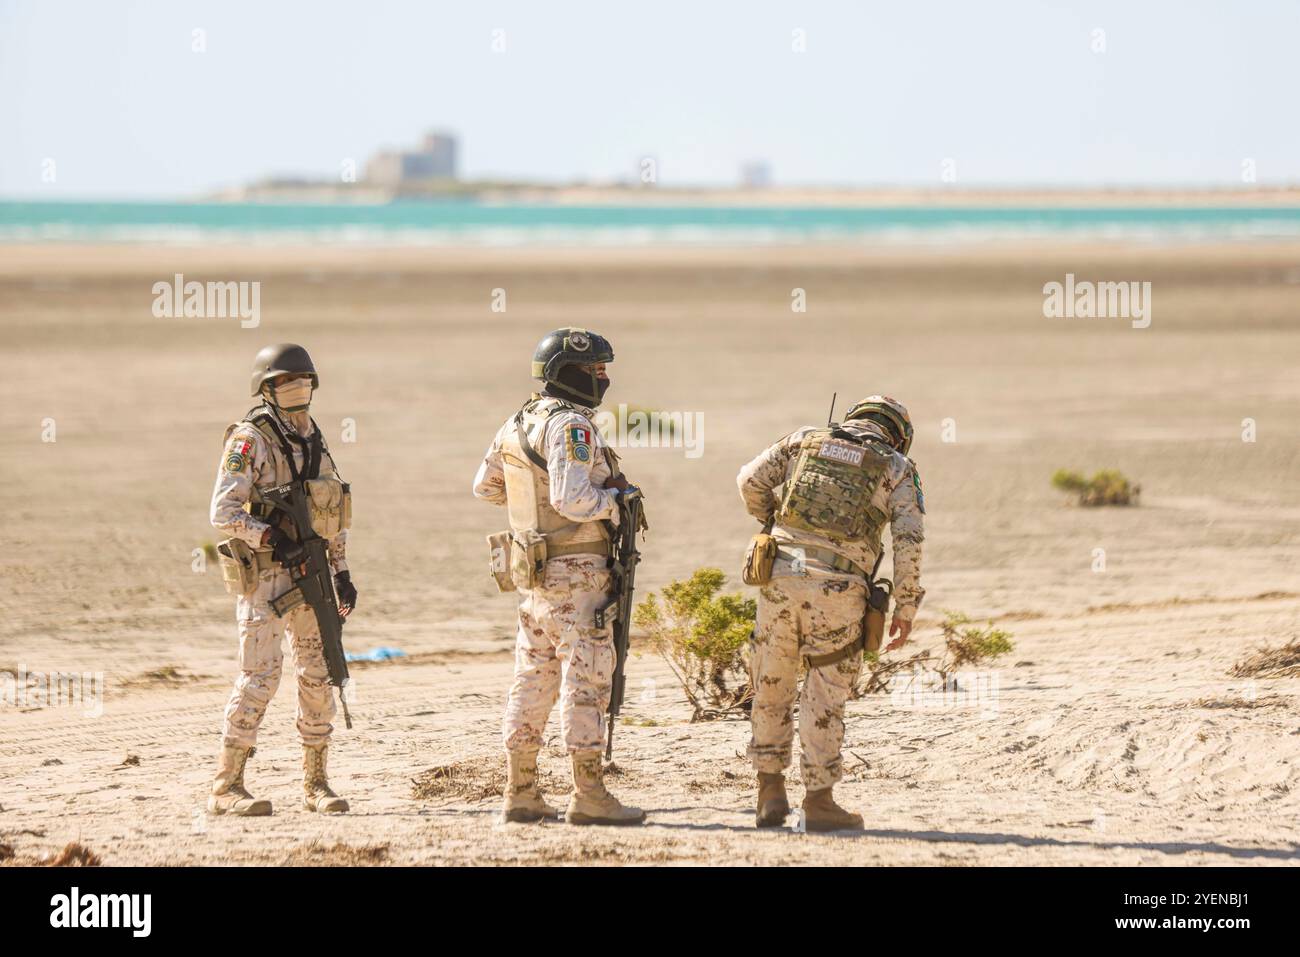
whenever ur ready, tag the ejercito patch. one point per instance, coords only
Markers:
(841, 451)
(920, 495)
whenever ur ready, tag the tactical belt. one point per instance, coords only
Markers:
(579, 548)
(838, 655)
(824, 555)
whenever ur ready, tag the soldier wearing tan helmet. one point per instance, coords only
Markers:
(551, 469)
(841, 485)
(277, 442)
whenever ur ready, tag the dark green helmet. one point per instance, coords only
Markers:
(281, 359)
(888, 412)
(564, 349)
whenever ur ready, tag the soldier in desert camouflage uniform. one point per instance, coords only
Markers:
(842, 484)
(277, 442)
(559, 481)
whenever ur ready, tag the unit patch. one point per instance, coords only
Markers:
(237, 455)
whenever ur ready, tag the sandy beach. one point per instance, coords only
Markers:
(1117, 734)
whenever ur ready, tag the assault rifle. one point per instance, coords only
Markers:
(622, 568)
(313, 584)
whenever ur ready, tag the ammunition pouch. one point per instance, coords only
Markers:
(239, 566)
(330, 505)
(530, 550)
(527, 558)
(499, 549)
(760, 558)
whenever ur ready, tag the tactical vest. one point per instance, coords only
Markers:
(831, 489)
(285, 468)
(528, 489)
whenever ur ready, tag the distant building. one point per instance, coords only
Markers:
(755, 174)
(435, 159)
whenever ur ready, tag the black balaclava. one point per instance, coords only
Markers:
(573, 383)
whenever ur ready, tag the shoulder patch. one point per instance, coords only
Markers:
(578, 440)
(920, 495)
(237, 454)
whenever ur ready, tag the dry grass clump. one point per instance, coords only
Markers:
(1283, 662)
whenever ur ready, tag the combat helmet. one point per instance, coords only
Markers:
(558, 355)
(887, 412)
(284, 358)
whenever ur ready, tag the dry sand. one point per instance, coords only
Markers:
(1118, 736)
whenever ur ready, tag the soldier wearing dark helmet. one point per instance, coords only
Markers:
(839, 486)
(275, 443)
(552, 470)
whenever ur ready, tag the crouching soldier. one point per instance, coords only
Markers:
(277, 443)
(842, 484)
(552, 470)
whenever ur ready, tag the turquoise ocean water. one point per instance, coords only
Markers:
(475, 223)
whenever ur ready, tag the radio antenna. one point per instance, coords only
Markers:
(831, 414)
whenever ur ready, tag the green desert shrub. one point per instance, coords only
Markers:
(702, 635)
(965, 643)
(1107, 487)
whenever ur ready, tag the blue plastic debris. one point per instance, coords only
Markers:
(377, 654)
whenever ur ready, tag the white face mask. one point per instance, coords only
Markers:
(293, 396)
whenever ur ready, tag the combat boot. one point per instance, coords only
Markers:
(228, 794)
(773, 805)
(591, 803)
(315, 785)
(821, 813)
(523, 801)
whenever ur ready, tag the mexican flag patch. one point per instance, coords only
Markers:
(579, 443)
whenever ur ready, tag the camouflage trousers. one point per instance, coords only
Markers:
(559, 653)
(261, 660)
(800, 616)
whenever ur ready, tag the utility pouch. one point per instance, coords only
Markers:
(330, 503)
(238, 566)
(873, 622)
(499, 560)
(527, 558)
(760, 558)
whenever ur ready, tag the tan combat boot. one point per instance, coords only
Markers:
(315, 785)
(228, 793)
(821, 813)
(773, 805)
(523, 801)
(591, 803)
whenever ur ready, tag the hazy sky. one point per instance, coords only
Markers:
(1012, 92)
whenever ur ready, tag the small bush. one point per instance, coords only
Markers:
(965, 643)
(1107, 487)
(702, 636)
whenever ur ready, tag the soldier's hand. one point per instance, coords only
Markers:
(284, 549)
(902, 629)
(618, 481)
(347, 593)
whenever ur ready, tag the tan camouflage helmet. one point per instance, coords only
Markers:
(887, 412)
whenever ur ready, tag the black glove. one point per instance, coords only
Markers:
(347, 591)
(284, 549)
